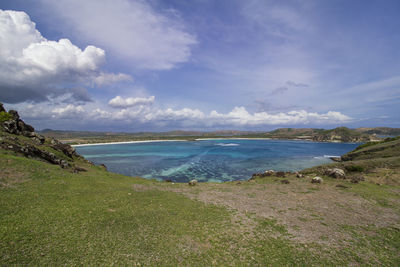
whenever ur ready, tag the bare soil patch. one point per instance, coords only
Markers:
(312, 213)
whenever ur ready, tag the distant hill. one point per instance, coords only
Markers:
(380, 131)
(339, 134)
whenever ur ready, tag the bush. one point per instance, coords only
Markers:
(354, 168)
(4, 116)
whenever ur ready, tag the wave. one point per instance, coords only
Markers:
(229, 144)
(326, 156)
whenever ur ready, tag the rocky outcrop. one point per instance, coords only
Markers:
(64, 148)
(17, 126)
(34, 152)
(2, 109)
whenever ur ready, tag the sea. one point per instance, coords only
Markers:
(215, 160)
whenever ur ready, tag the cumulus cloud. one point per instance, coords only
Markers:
(68, 112)
(240, 116)
(119, 102)
(131, 29)
(33, 68)
(142, 110)
(153, 116)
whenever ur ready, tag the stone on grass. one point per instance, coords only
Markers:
(335, 173)
(316, 180)
(299, 175)
(269, 172)
(193, 182)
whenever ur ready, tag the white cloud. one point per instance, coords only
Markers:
(33, 68)
(68, 112)
(153, 116)
(106, 78)
(239, 116)
(133, 30)
(119, 102)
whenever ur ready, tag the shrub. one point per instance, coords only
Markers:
(354, 168)
(4, 116)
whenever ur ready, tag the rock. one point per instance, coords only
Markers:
(357, 179)
(193, 182)
(10, 127)
(23, 127)
(336, 159)
(341, 186)
(64, 148)
(317, 180)
(280, 174)
(79, 169)
(54, 141)
(335, 173)
(269, 172)
(2, 109)
(299, 175)
(64, 164)
(102, 165)
(285, 181)
(14, 114)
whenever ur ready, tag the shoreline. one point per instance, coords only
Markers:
(233, 138)
(127, 142)
(204, 139)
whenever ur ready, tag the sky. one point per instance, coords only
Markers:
(130, 65)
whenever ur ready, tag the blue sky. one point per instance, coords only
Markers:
(127, 65)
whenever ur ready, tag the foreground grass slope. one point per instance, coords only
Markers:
(84, 215)
(52, 216)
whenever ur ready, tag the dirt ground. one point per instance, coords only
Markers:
(312, 213)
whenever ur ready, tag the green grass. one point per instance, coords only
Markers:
(55, 217)
(383, 243)
(381, 194)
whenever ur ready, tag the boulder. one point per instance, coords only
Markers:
(336, 173)
(64, 148)
(14, 114)
(299, 175)
(317, 180)
(280, 174)
(23, 127)
(193, 182)
(269, 172)
(10, 126)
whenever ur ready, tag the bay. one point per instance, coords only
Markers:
(214, 160)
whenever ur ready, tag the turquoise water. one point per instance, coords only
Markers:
(211, 160)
